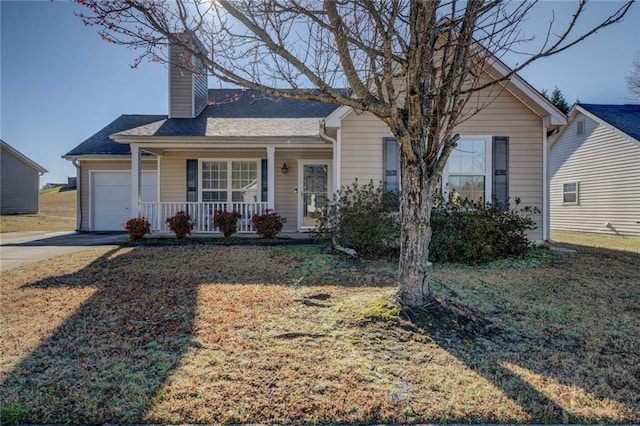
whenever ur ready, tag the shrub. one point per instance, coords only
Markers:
(267, 224)
(475, 232)
(180, 224)
(137, 227)
(227, 222)
(361, 217)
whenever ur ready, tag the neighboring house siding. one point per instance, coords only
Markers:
(173, 176)
(361, 142)
(19, 186)
(86, 166)
(180, 86)
(606, 166)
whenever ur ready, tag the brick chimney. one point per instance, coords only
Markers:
(188, 89)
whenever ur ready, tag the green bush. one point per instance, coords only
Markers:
(365, 218)
(361, 218)
(475, 233)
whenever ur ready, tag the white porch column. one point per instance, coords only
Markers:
(135, 181)
(271, 177)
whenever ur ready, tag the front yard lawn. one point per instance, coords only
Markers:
(202, 334)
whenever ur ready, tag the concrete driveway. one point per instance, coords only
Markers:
(21, 248)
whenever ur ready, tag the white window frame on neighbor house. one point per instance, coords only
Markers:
(229, 189)
(575, 191)
(488, 167)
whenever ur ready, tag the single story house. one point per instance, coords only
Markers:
(595, 171)
(19, 181)
(236, 149)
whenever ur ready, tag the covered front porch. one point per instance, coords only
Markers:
(295, 181)
(202, 214)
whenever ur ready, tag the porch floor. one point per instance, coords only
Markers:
(290, 235)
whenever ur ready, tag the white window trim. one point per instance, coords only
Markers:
(488, 167)
(229, 190)
(580, 127)
(577, 192)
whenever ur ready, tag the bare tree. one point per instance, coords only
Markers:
(633, 79)
(414, 64)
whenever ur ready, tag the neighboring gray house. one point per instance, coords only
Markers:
(595, 171)
(19, 181)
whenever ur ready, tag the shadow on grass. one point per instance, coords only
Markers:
(111, 357)
(106, 362)
(554, 379)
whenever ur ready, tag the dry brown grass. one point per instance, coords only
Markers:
(594, 240)
(57, 213)
(288, 335)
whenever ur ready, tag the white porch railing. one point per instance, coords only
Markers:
(201, 214)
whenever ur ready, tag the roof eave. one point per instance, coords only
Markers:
(553, 116)
(202, 140)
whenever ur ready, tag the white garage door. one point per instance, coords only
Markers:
(111, 198)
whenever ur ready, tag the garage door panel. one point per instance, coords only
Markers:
(111, 198)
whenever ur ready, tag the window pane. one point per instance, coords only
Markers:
(469, 156)
(214, 175)
(214, 196)
(244, 180)
(570, 187)
(570, 197)
(467, 187)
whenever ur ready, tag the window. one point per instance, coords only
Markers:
(466, 173)
(227, 181)
(580, 127)
(570, 193)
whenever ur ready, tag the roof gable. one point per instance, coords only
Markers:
(20, 156)
(624, 118)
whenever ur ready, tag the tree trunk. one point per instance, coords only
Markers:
(414, 267)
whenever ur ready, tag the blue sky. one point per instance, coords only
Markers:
(60, 83)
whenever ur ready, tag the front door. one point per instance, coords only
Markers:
(313, 190)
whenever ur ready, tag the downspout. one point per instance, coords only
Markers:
(78, 195)
(334, 142)
(545, 187)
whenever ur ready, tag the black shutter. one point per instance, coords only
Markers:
(390, 165)
(500, 181)
(192, 180)
(264, 177)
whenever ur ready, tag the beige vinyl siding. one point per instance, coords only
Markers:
(86, 166)
(361, 147)
(606, 166)
(173, 175)
(19, 185)
(180, 86)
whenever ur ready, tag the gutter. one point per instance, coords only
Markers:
(324, 136)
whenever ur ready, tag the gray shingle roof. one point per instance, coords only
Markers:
(230, 113)
(625, 118)
(101, 144)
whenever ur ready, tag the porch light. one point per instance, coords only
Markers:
(284, 168)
